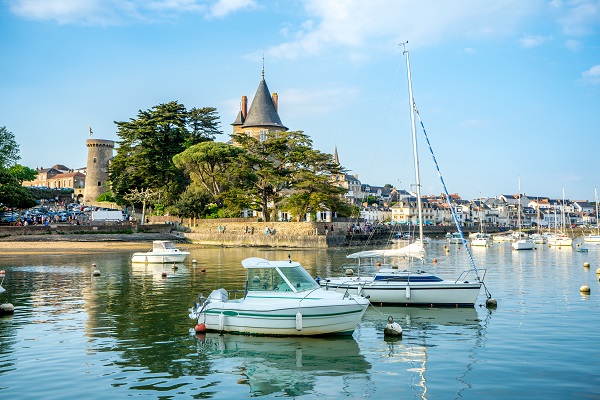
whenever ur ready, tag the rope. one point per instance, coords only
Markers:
(462, 236)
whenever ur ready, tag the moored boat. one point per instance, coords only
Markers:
(280, 298)
(163, 251)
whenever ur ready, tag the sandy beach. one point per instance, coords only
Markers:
(79, 244)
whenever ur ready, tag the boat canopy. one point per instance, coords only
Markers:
(282, 276)
(414, 250)
(162, 244)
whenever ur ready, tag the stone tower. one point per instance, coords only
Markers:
(100, 152)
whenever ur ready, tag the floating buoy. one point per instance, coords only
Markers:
(435, 260)
(491, 303)
(164, 274)
(93, 264)
(392, 328)
(203, 269)
(2, 273)
(447, 250)
(200, 328)
(349, 272)
(598, 271)
(96, 272)
(586, 264)
(194, 261)
(6, 308)
(585, 289)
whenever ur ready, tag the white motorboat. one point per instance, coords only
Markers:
(454, 238)
(523, 244)
(559, 240)
(412, 287)
(481, 239)
(537, 238)
(163, 251)
(280, 298)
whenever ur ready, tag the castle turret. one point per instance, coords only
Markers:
(100, 152)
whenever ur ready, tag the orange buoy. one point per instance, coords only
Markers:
(2, 272)
(200, 328)
(164, 273)
(203, 269)
(435, 260)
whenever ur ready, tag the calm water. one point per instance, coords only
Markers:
(127, 333)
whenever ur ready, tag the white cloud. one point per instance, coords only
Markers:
(533, 41)
(578, 17)
(359, 24)
(223, 8)
(592, 75)
(113, 12)
(573, 45)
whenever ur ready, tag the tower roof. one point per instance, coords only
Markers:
(262, 110)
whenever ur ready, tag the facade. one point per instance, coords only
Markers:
(57, 177)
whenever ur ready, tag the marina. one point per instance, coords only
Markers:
(127, 332)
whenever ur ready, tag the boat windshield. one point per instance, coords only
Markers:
(282, 279)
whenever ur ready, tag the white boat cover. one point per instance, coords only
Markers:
(414, 250)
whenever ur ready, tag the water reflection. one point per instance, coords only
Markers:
(292, 366)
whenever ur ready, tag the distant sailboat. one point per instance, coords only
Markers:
(591, 238)
(521, 243)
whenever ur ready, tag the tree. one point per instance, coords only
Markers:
(12, 194)
(22, 173)
(144, 158)
(9, 149)
(214, 166)
(143, 196)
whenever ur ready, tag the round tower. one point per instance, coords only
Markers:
(100, 152)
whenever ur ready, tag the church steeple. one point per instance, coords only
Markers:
(335, 156)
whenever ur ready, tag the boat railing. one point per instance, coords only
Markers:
(236, 293)
(466, 274)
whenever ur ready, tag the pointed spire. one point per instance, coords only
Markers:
(335, 156)
(263, 69)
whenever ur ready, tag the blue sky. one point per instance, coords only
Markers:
(507, 89)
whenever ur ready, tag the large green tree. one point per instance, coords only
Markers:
(289, 171)
(144, 158)
(9, 149)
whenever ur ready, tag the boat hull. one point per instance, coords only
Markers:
(275, 317)
(592, 239)
(442, 293)
(523, 245)
(154, 258)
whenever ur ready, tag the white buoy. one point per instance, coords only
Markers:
(598, 271)
(585, 289)
(586, 264)
(194, 261)
(392, 328)
(7, 308)
(349, 272)
(491, 303)
(96, 272)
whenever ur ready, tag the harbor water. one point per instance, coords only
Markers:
(127, 334)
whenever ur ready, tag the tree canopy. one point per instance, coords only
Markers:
(144, 158)
(9, 149)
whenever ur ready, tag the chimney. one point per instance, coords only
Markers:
(244, 106)
(275, 99)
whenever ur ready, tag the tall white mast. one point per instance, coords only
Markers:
(415, 150)
(597, 225)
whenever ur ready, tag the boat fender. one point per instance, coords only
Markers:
(221, 322)
(392, 328)
(408, 292)
(200, 328)
(298, 321)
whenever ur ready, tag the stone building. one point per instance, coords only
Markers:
(100, 153)
(57, 177)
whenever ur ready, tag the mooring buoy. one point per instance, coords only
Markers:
(96, 272)
(392, 328)
(6, 308)
(586, 264)
(585, 289)
(349, 272)
(491, 303)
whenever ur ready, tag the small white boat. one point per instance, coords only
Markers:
(163, 251)
(280, 298)
(537, 238)
(454, 238)
(523, 244)
(481, 239)
(559, 240)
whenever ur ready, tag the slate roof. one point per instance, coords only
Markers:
(262, 110)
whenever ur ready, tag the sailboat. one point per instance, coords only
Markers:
(591, 238)
(560, 238)
(408, 287)
(521, 243)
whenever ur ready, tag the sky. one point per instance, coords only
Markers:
(508, 90)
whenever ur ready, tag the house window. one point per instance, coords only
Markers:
(263, 135)
(284, 216)
(99, 183)
(95, 159)
(322, 215)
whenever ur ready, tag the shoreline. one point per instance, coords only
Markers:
(80, 244)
